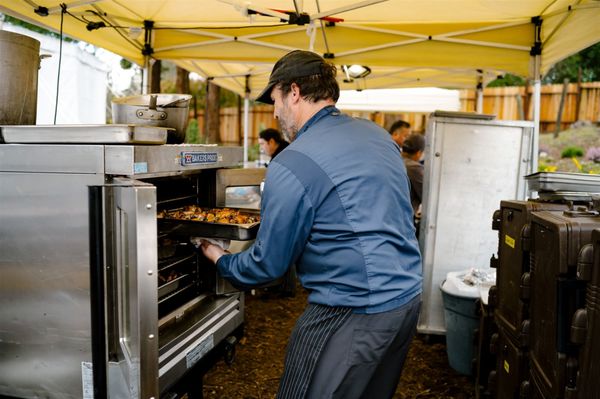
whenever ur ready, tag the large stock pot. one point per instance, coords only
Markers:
(19, 64)
(162, 110)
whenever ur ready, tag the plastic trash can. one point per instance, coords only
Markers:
(460, 314)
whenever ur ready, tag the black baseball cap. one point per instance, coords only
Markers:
(296, 64)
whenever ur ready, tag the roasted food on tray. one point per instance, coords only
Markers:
(173, 274)
(211, 215)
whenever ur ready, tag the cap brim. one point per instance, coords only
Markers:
(265, 95)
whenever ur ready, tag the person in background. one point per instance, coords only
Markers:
(335, 204)
(400, 131)
(271, 142)
(412, 151)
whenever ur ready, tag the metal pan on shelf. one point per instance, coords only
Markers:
(169, 287)
(196, 228)
(563, 181)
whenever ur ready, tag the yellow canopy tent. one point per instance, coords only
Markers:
(452, 43)
(404, 43)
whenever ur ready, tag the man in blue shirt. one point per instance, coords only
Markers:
(337, 204)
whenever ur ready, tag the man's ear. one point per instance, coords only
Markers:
(295, 92)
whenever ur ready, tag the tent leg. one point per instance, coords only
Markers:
(479, 93)
(246, 123)
(146, 75)
(537, 95)
(479, 103)
(536, 70)
(246, 118)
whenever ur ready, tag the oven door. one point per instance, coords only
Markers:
(126, 245)
(238, 188)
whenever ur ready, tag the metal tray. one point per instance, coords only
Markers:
(168, 263)
(83, 134)
(464, 115)
(563, 181)
(579, 197)
(172, 286)
(194, 228)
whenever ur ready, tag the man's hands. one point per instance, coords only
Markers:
(211, 251)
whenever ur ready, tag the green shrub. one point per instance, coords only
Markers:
(571, 152)
(193, 134)
(545, 167)
(253, 152)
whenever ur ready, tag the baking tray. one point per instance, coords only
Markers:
(582, 197)
(195, 228)
(563, 181)
(168, 263)
(83, 134)
(464, 115)
(172, 286)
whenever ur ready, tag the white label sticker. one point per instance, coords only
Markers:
(199, 351)
(140, 167)
(87, 379)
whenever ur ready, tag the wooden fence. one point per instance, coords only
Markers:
(581, 103)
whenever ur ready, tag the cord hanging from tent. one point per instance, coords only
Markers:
(62, 18)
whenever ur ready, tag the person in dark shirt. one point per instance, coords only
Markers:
(412, 151)
(399, 131)
(271, 142)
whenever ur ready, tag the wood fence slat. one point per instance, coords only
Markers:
(501, 101)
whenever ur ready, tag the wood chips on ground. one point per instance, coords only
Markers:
(258, 363)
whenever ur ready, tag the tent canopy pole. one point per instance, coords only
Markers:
(246, 118)
(536, 60)
(479, 99)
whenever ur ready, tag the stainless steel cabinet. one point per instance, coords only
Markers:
(470, 166)
(72, 314)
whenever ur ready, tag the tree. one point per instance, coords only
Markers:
(211, 114)
(182, 82)
(507, 80)
(587, 60)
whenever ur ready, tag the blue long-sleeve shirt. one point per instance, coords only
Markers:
(337, 203)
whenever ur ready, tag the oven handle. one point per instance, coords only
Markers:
(122, 250)
(97, 290)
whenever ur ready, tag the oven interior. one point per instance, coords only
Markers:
(186, 278)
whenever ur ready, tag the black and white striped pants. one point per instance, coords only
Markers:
(335, 353)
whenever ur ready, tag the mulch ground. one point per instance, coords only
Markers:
(258, 363)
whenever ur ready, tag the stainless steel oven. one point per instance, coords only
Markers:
(97, 297)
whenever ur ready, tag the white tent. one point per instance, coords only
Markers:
(426, 99)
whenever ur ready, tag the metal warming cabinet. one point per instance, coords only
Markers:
(472, 162)
(97, 297)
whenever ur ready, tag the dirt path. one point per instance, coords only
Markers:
(259, 358)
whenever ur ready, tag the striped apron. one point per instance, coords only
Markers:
(310, 335)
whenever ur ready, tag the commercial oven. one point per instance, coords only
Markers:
(98, 298)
